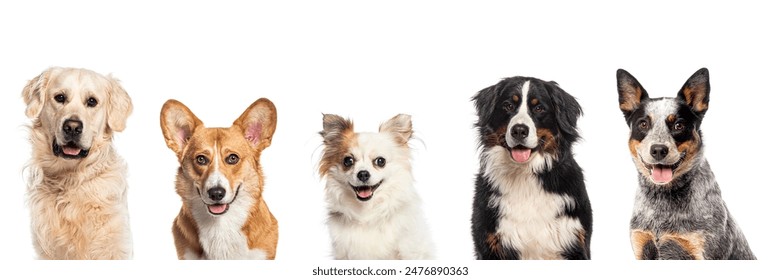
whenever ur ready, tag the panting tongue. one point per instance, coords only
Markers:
(662, 174)
(521, 155)
(71, 151)
(218, 208)
(365, 193)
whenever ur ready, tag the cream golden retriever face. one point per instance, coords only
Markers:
(74, 110)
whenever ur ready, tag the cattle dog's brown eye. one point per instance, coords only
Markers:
(539, 109)
(509, 106)
(92, 102)
(201, 160)
(232, 159)
(60, 98)
(348, 161)
(379, 162)
(643, 125)
(679, 126)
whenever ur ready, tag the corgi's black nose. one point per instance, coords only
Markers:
(216, 193)
(72, 128)
(519, 131)
(659, 152)
(364, 175)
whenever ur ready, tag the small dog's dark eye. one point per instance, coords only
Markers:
(379, 162)
(201, 160)
(679, 126)
(348, 161)
(509, 106)
(92, 102)
(232, 159)
(539, 109)
(60, 98)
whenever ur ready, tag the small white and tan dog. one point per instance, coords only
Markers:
(374, 211)
(77, 190)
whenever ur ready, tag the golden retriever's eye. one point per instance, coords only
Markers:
(348, 162)
(92, 102)
(232, 159)
(201, 160)
(60, 98)
(379, 162)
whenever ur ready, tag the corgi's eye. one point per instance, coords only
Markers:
(643, 125)
(232, 159)
(348, 161)
(201, 160)
(60, 98)
(379, 162)
(509, 106)
(92, 102)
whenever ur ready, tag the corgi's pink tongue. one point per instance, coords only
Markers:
(365, 193)
(70, 151)
(218, 208)
(521, 155)
(662, 174)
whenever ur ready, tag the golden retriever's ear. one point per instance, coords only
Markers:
(34, 93)
(119, 106)
(178, 124)
(400, 126)
(258, 123)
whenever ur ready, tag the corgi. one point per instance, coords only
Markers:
(678, 211)
(220, 181)
(374, 211)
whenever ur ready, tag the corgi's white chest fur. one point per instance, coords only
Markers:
(221, 237)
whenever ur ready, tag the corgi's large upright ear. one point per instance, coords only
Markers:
(695, 93)
(34, 93)
(119, 106)
(630, 93)
(178, 124)
(400, 126)
(258, 123)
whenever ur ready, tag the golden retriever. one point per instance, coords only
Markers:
(77, 191)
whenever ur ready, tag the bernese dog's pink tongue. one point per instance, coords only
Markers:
(218, 208)
(70, 151)
(521, 155)
(662, 174)
(365, 193)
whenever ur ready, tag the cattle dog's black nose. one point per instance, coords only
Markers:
(659, 152)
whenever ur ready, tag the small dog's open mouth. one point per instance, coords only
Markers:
(219, 208)
(70, 150)
(663, 174)
(521, 154)
(364, 193)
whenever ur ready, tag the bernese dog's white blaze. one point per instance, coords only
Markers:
(522, 150)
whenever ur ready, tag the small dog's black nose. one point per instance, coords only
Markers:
(72, 127)
(659, 152)
(364, 175)
(216, 193)
(519, 131)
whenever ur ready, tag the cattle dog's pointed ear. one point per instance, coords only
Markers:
(567, 110)
(630, 93)
(178, 124)
(696, 91)
(258, 123)
(400, 126)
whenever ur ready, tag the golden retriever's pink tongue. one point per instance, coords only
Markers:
(70, 151)
(365, 193)
(521, 155)
(662, 174)
(218, 208)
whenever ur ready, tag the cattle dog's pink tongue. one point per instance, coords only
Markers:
(365, 193)
(218, 208)
(521, 155)
(71, 151)
(662, 174)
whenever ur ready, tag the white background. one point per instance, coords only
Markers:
(370, 61)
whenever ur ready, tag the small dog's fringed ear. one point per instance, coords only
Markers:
(567, 110)
(400, 126)
(119, 107)
(630, 93)
(335, 128)
(485, 101)
(696, 92)
(34, 93)
(178, 124)
(259, 122)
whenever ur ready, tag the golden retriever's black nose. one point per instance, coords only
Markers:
(72, 127)
(216, 193)
(363, 175)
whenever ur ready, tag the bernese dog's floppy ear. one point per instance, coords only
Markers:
(567, 110)
(630, 93)
(695, 93)
(485, 102)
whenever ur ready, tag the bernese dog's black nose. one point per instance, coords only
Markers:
(659, 152)
(519, 131)
(363, 175)
(216, 193)
(72, 128)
